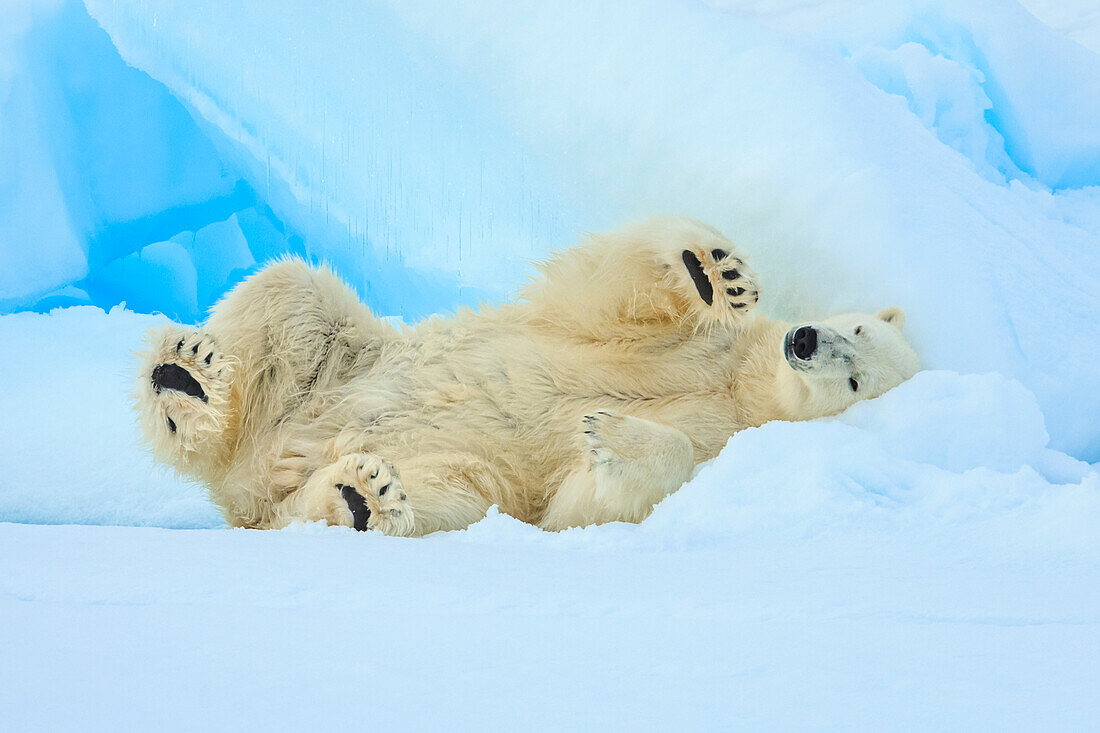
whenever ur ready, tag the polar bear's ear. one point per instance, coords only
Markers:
(893, 315)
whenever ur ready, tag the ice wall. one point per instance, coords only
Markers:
(112, 191)
(103, 159)
(38, 247)
(361, 137)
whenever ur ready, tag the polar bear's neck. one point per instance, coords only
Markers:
(768, 389)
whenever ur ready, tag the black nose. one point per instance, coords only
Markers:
(805, 342)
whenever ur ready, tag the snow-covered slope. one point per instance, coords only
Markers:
(1078, 19)
(923, 561)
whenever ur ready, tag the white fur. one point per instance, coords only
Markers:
(586, 401)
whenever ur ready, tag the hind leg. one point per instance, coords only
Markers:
(629, 465)
(270, 350)
(358, 490)
(430, 493)
(183, 398)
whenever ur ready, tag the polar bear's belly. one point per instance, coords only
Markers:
(509, 395)
(454, 394)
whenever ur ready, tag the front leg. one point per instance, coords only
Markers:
(668, 271)
(628, 465)
(358, 490)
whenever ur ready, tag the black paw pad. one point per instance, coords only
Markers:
(360, 512)
(699, 277)
(175, 377)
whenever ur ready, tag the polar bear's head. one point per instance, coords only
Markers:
(837, 362)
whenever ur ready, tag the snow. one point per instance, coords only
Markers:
(928, 559)
(1078, 19)
(178, 630)
(70, 450)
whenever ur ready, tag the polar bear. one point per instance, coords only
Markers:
(634, 357)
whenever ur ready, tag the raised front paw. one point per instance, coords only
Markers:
(726, 285)
(374, 494)
(183, 391)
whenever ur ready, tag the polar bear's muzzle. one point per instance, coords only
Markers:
(817, 348)
(800, 347)
(800, 343)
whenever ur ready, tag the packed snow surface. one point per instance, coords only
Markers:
(929, 559)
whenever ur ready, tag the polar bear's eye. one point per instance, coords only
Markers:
(853, 384)
(859, 330)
